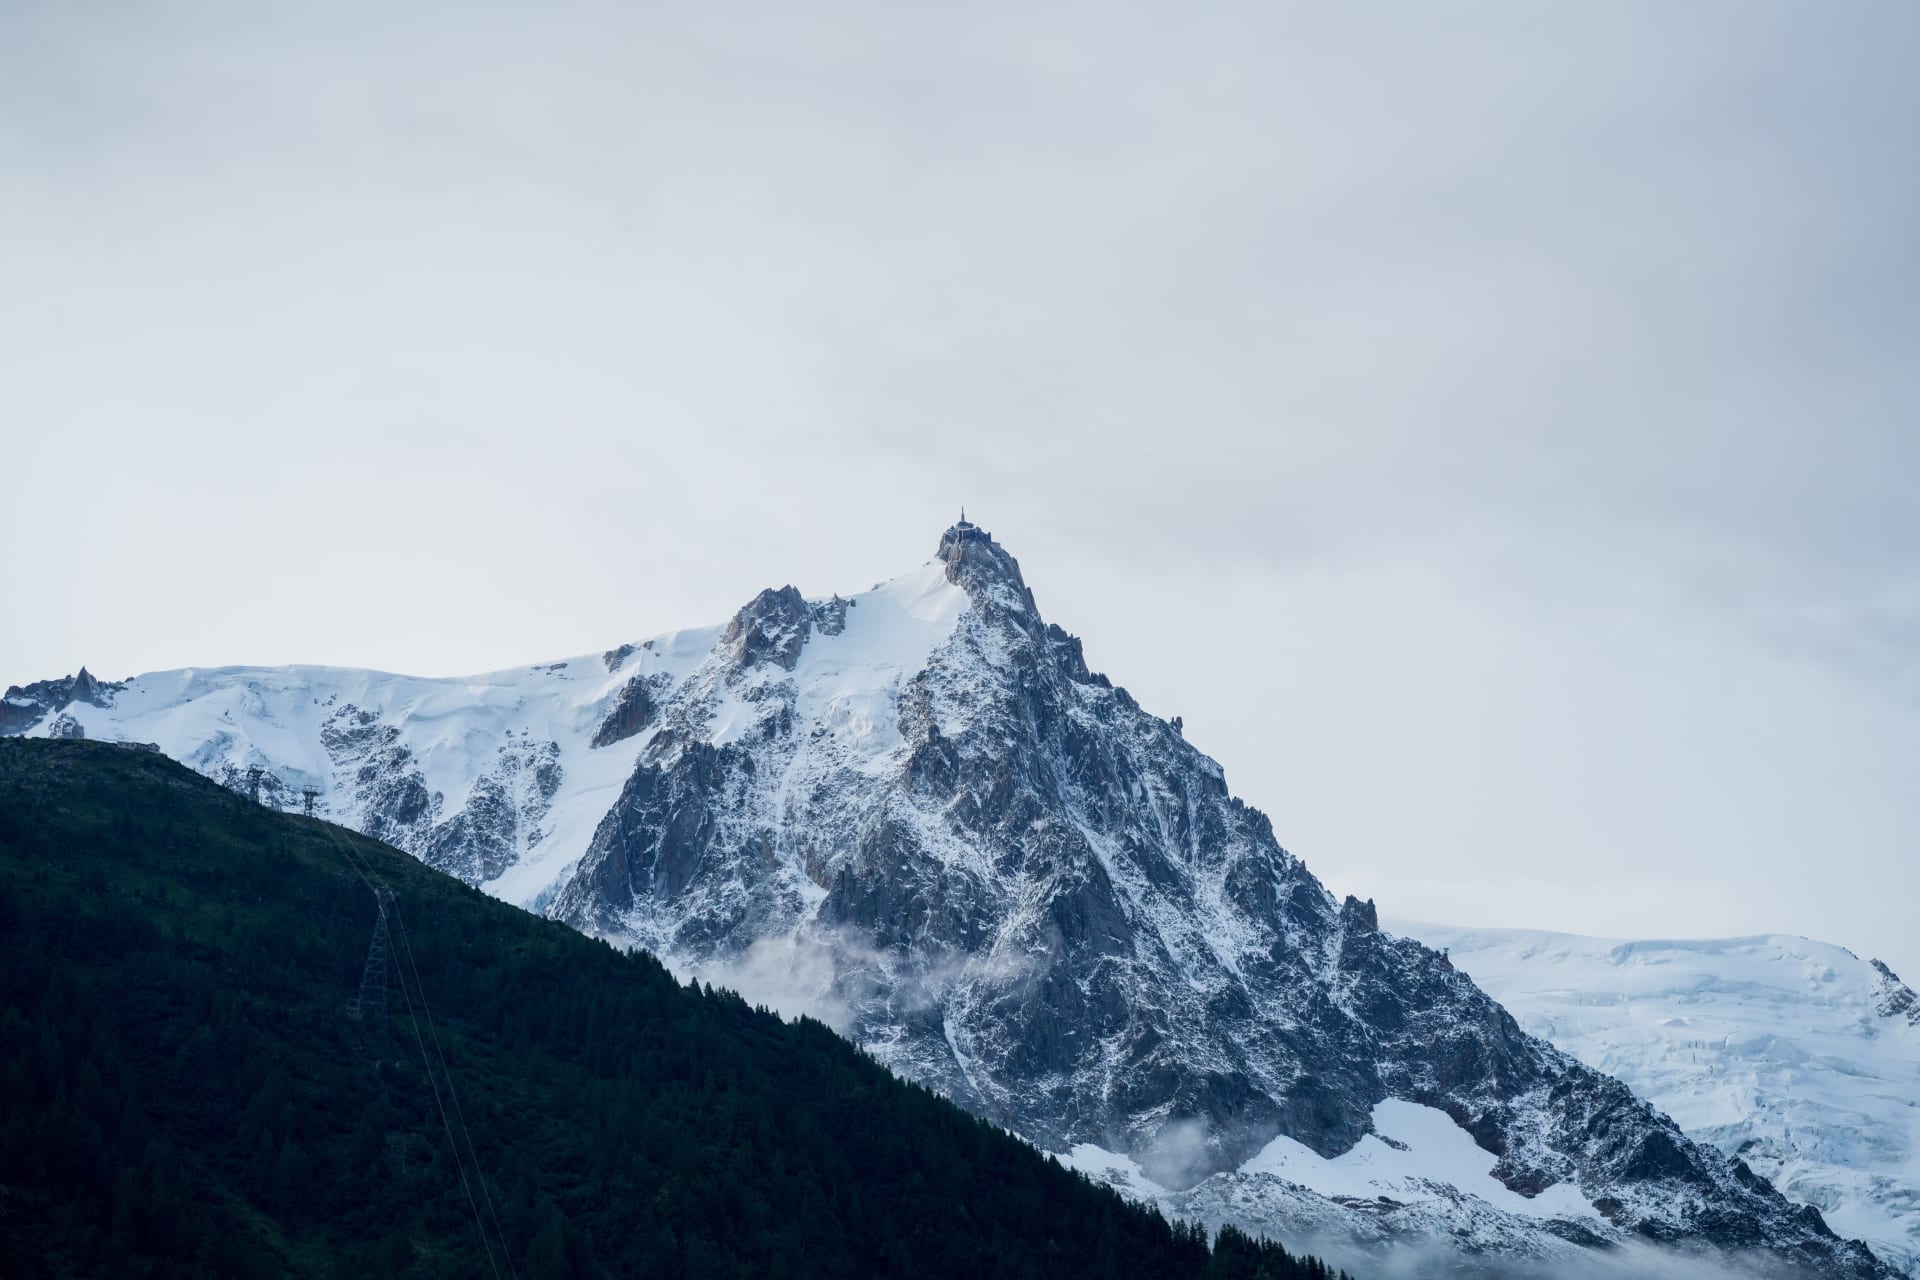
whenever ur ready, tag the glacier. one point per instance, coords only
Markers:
(1797, 1056)
(917, 813)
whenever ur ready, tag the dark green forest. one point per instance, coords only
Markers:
(186, 1091)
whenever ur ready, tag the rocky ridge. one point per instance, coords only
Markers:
(918, 813)
(1796, 1056)
(1892, 997)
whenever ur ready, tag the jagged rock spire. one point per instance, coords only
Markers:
(1892, 997)
(771, 627)
(984, 568)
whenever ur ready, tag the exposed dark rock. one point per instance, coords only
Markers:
(1011, 882)
(830, 616)
(24, 706)
(1894, 998)
(633, 710)
(771, 627)
(498, 822)
(501, 818)
(987, 571)
(275, 792)
(1052, 910)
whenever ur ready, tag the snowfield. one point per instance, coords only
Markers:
(1793, 1054)
(454, 733)
(1415, 1154)
(917, 814)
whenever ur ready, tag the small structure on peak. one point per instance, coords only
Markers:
(964, 530)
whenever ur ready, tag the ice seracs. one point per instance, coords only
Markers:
(1797, 1056)
(918, 812)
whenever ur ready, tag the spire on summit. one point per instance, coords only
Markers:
(982, 566)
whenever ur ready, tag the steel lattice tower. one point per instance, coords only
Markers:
(370, 1006)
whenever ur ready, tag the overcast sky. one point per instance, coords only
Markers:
(1495, 430)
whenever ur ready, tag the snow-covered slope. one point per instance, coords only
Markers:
(919, 814)
(489, 777)
(1798, 1056)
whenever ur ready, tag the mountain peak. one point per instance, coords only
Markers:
(1892, 997)
(23, 707)
(998, 873)
(983, 568)
(770, 627)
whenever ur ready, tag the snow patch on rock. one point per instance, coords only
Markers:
(1780, 1050)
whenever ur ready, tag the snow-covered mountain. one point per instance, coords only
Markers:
(492, 778)
(918, 813)
(1798, 1056)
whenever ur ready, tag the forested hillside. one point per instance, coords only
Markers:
(189, 1084)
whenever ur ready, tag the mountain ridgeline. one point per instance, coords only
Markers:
(917, 813)
(1799, 1056)
(188, 1093)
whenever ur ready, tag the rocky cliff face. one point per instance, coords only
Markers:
(498, 779)
(918, 813)
(1027, 891)
(23, 707)
(1892, 997)
(1797, 1056)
